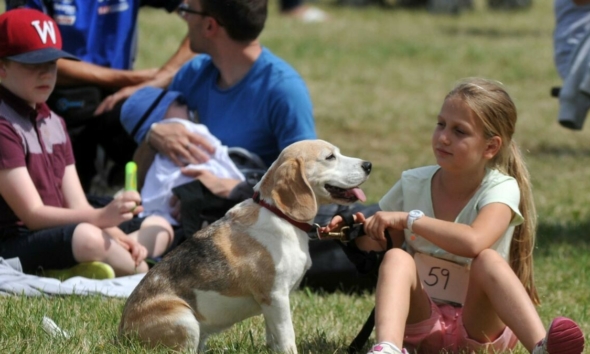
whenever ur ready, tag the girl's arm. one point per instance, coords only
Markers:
(122, 208)
(460, 239)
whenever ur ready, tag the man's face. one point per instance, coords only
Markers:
(196, 26)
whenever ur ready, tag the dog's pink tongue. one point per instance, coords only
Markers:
(359, 194)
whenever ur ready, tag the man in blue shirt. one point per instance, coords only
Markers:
(89, 93)
(244, 94)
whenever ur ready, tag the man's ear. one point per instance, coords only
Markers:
(212, 26)
(493, 147)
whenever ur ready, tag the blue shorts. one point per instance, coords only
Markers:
(47, 248)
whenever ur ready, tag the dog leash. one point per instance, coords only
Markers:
(347, 234)
(363, 336)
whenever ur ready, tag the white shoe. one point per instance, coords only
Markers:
(313, 14)
(386, 348)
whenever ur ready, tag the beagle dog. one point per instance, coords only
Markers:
(250, 260)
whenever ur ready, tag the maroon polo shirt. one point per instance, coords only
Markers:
(37, 139)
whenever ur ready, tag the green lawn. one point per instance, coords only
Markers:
(377, 78)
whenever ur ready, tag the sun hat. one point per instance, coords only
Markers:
(146, 106)
(29, 36)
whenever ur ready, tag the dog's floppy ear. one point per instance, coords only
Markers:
(289, 189)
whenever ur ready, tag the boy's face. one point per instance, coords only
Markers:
(31, 82)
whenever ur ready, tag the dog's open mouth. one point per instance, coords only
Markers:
(350, 195)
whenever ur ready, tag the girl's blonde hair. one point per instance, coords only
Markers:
(492, 104)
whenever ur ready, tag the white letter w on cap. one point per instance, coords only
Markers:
(47, 29)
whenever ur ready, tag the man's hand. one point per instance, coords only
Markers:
(146, 77)
(218, 186)
(111, 101)
(179, 145)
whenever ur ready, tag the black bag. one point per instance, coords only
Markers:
(76, 105)
(334, 266)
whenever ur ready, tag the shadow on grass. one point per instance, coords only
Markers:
(320, 344)
(551, 235)
(558, 151)
(493, 32)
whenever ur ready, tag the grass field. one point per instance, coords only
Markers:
(377, 78)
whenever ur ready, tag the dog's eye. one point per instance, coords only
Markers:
(331, 157)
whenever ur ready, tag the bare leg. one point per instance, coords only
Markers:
(89, 243)
(495, 299)
(155, 234)
(365, 243)
(399, 297)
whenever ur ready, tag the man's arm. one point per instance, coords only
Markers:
(72, 73)
(162, 78)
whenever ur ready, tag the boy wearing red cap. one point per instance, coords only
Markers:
(45, 219)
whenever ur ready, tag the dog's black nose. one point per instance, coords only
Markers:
(367, 166)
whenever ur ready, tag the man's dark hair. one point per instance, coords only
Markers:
(242, 19)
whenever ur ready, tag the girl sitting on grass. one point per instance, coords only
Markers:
(468, 224)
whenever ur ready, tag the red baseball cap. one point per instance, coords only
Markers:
(29, 36)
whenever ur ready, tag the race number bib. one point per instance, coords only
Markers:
(444, 281)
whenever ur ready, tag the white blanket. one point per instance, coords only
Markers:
(14, 282)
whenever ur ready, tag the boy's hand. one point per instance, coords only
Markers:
(122, 208)
(138, 252)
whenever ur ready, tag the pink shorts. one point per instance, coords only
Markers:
(444, 330)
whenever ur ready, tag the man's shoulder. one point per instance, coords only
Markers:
(191, 72)
(199, 62)
(277, 65)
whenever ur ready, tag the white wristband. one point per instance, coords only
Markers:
(412, 217)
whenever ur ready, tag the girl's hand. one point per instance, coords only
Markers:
(122, 208)
(376, 225)
(337, 223)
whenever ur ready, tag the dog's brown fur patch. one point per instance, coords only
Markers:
(251, 263)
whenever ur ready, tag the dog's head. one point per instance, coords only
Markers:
(312, 172)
